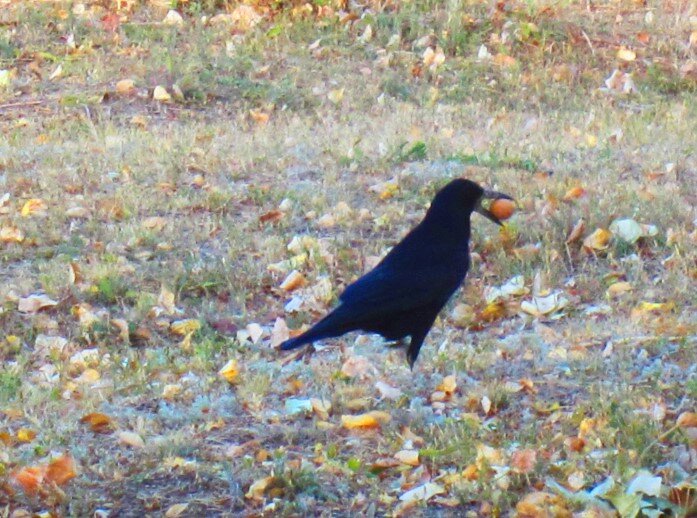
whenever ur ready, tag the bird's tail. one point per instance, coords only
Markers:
(330, 326)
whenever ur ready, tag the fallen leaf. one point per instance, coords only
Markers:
(618, 288)
(29, 479)
(513, 287)
(60, 470)
(626, 54)
(98, 423)
(541, 306)
(176, 510)
(574, 193)
(11, 234)
(160, 94)
(388, 391)
(293, 281)
(523, 461)
(131, 439)
(357, 366)
(409, 457)
(645, 483)
(34, 206)
(504, 60)
(687, 420)
(448, 385)
(125, 86)
(34, 303)
(185, 327)
(156, 223)
(576, 232)
(165, 300)
(598, 240)
(273, 216)
(422, 493)
(540, 503)
(173, 18)
(230, 372)
(257, 489)
(336, 96)
(631, 231)
(25, 435)
(364, 421)
(279, 332)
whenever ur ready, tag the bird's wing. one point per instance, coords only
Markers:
(388, 289)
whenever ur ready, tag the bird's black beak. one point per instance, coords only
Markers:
(490, 195)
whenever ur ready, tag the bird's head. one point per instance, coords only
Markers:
(462, 196)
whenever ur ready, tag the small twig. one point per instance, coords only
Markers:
(588, 40)
(19, 104)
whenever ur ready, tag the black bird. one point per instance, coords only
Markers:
(404, 293)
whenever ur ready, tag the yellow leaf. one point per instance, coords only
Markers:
(25, 435)
(88, 376)
(170, 391)
(598, 240)
(493, 311)
(186, 326)
(160, 94)
(626, 54)
(33, 206)
(336, 96)
(257, 489)
(230, 372)
(448, 385)
(619, 288)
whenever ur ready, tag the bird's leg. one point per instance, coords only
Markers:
(415, 342)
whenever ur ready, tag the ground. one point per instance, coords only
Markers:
(162, 175)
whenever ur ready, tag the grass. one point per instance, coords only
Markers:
(172, 193)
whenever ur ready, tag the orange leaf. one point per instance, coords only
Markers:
(60, 470)
(687, 420)
(98, 423)
(29, 479)
(364, 421)
(574, 193)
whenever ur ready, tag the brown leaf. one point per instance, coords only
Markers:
(273, 216)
